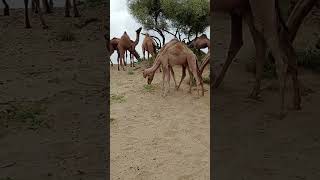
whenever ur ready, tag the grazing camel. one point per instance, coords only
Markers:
(126, 44)
(176, 54)
(263, 20)
(163, 49)
(200, 42)
(148, 45)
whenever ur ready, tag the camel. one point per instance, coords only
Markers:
(176, 54)
(200, 42)
(163, 49)
(113, 45)
(148, 45)
(125, 44)
(264, 21)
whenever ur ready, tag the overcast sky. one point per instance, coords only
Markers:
(121, 20)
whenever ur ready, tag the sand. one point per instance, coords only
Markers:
(68, 80)
(154, 137)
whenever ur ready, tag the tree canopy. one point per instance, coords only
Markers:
(176, 17)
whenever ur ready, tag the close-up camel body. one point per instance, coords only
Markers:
(263, 20)
(125, 44)
(148, 45)
(176, 54)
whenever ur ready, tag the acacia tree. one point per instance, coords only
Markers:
(175, 17)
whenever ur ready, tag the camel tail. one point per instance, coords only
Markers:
(282, 22)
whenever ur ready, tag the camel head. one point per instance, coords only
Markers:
(148, 75)
(192, 43)
(136, 42)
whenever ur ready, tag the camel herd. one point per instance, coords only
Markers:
(47, 5)
(172, 53)
(270, 34)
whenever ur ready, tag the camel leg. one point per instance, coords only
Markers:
(51, 4)
(143, 52)
(118, 59)
(165, 78)
(75, 9)
(260, 57)
(183, 76)
(67, 8)
(27, 22)
(43, 23)
(235, 45)
(125, 62)
(34, 7)
(46, 6)
(6, 11)
(148, 55)
(174, 78)
(190, 81)
(198, 78)
(168, 72)
(265, 16)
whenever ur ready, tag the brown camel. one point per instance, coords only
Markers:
(263, 20)
(126, 44)
(148, 45)
(114, 46)
(176, 54)
(163, 49)
(200, 42)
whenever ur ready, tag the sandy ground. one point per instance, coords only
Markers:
(68, 137)
(154, 137)
(249, 141)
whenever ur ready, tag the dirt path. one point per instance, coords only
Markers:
(65, 138)
(248, 140)
(154, 137)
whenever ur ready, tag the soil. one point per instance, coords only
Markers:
(52, 97)
(155, 137)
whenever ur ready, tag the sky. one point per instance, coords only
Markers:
(121, 20)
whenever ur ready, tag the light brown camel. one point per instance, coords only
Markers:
(148, 45)
(125, 44)
(176, 54)
(200, 42)
(263, 20)
(163, 49)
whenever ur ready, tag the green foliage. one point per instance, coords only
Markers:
(206, 80)
(25, 114)
(189, 17)
(117, 98)
(148, 87)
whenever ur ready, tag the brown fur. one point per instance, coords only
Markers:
(126, 44)
(170, 57)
